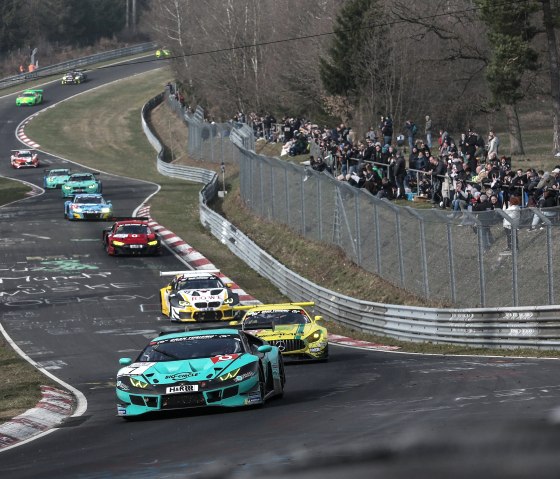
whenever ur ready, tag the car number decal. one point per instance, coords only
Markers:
(183, 388)
(135, 369)
(224, 357)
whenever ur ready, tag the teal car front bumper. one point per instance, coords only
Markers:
(136, 402)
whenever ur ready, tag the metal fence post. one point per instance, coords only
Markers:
(357, 227)
(451, 264)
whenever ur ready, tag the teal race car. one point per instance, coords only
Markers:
(55, 178)
(192, 369)
(29, 98)
(80, 183)
(88, 207)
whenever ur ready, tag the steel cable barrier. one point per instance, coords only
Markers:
(499, 327)
(76, 63)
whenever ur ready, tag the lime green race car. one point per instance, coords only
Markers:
(29, 98)
(163, 53)
(290, 328)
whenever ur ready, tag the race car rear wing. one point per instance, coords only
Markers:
(243, 307)
(24, 149)
(191, 273)
(128, 218)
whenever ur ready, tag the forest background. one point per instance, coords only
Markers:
(466, 63)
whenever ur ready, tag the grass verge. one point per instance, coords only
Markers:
(117, 134)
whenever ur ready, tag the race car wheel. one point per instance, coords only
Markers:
(282, 376)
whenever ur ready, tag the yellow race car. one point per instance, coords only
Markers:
(198, 295)
(289, 327)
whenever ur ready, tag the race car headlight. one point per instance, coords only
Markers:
(228, 300)
(152, 243)
(66, 187)
(138, 382)
(105, 210)
(92, 186)
(117, 243)
(314, 336)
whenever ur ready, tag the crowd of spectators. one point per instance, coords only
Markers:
(468, 174)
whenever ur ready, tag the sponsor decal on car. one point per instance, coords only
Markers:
(180, 376)
(183, 388)
(244, 376)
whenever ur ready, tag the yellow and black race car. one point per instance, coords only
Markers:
(197, 296)
(288, 326)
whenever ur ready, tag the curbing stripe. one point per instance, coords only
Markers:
(54, 407)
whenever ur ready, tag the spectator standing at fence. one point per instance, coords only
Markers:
(428, 131)
(511, 225)
(484, 206)
(371, 134)
(438, 169)
(548, 200)
(399, 168)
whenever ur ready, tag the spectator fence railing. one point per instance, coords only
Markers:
(500, 327)
(455, 257)
(76, 63)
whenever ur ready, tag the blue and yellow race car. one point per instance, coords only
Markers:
(55, 178)
(88, 207)
(80, 183)
(290, 328)
(206, 368)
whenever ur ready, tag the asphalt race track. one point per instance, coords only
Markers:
(75, 311)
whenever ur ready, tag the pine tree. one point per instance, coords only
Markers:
(339, 74)
(510, 32)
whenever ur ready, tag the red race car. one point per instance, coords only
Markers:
(131, 236)
(24, 159)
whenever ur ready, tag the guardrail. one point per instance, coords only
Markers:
(510, 327)
(77, 63)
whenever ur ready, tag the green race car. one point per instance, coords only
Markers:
(80, 183)
(55, 178)
(205, 368)
(29, 98)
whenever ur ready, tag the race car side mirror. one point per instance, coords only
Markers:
(318, 318)
(125, 361)
(265, 348)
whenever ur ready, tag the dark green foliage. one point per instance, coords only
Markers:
(66, 22)
(510, 33)
(338, 71)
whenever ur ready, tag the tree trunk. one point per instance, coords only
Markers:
(514, 130)
(554, 73)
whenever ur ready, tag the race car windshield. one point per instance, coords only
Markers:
(268, 319)
(132, 230)
(24, 154)
(191, 347)
(90, 200)
(200, 283)
(29, 94)
(58, 173)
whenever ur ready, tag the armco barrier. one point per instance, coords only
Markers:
(521, 327)
(77, 63)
